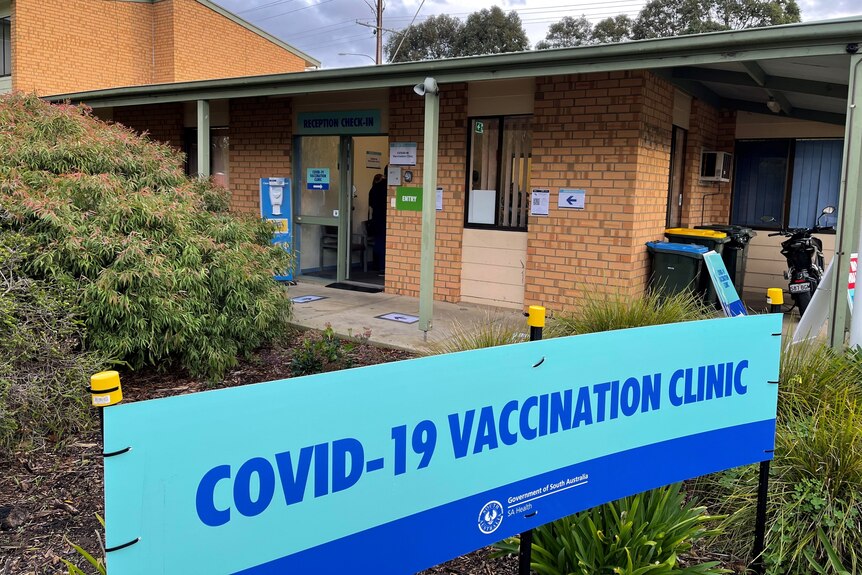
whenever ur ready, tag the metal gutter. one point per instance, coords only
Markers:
(792, 40)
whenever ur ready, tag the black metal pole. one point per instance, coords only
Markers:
(760, 521)
(536, 322)
(775, 299)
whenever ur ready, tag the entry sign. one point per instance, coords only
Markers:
(275, 206)
(434, 457)
(317, 178)
(408, 198)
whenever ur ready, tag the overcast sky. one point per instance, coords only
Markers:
(325, 28)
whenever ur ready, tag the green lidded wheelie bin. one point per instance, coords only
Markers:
(735, 253)
(675, 267)
(711, 240)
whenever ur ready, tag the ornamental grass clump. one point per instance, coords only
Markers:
(165, 275)
(815, 490)
(597, 312)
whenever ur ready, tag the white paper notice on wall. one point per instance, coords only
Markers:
(402, 154)
(393, 177)
(439, 201)
(540, 202)
(572, 199)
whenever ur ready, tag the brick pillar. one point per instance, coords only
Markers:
(586, 131)
(260, 146)
(403, 229)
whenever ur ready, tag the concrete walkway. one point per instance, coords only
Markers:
(352, 312)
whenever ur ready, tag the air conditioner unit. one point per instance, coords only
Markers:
(715, 166)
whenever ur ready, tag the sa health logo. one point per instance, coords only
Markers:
(490, 517)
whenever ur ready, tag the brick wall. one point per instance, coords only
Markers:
(586, 131)
(653, 175)
(62, 46)
(208, 45)
(403, 228)
(163, 122)
(164, 48)
(709, 129)
(260, 147)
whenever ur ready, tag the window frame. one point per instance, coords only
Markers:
(501, 118)
(7, 19)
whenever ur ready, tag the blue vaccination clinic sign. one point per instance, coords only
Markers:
(275, 206)
(434, 457)
(338, 123)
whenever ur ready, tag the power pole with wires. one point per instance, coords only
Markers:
(378, 9)
(379, 32)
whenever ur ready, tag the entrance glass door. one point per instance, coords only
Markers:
(320, 207)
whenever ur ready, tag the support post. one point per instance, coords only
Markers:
(849, 206)
(774, 299)
(203, 139)
(536, 321)
(429, 195)
(105, 390)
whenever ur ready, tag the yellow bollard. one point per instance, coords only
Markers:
(775, 299)
(105, 389)
(536, 316)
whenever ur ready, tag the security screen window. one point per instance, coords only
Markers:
(789, 180)
(499, 173)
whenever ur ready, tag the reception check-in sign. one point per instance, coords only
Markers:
(431, 458)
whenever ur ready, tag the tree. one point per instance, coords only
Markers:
(492, 31)
(661, 18)
(739, 14)
(612, 30)
(567, 33)
(435, 38)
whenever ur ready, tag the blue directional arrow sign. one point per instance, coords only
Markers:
(572, 199)
(317, 178)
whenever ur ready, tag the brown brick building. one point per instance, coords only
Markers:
(60, 46)
(625, 126)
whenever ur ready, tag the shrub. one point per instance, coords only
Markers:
(43, 372)
(639, 535)
(491, 331)
(815, 492)
(319, 352)
(165, 273)
(600, 312)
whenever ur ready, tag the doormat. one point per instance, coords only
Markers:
(399, 317)
(351, 287)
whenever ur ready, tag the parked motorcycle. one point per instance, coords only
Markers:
(804, 254)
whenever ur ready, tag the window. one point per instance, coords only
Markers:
(790, 180)
(499, 173)
(219, 154)
(5, 47)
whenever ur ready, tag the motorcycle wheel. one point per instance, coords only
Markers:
(802, 300)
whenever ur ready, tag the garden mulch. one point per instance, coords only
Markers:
(50, 494)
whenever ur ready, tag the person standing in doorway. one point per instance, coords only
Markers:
(377, 203)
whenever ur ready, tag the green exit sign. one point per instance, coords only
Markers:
(408, 199)
(480, 127)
